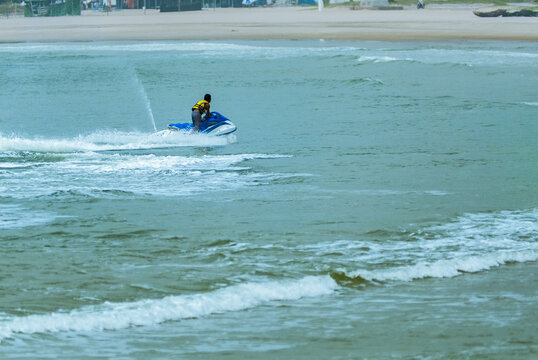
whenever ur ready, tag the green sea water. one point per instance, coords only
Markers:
(378, 201)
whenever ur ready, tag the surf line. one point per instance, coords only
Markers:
(144, 95)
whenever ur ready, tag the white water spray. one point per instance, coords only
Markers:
(146, 99)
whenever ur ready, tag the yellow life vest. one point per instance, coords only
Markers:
(201, 106)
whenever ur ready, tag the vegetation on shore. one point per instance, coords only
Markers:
(9, 7)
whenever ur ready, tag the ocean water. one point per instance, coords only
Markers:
(378, 201)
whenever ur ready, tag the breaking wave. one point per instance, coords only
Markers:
(197, 49)
(115, 316)
(475, 53)
(472, 243)
(467, 57)
(445, 268)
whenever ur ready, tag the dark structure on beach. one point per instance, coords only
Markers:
(506, 13)
(180, 5)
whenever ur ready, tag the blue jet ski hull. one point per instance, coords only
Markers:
(216, 125)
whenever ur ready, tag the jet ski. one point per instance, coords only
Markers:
(216, 125)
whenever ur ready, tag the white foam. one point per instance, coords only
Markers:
(115, 316)
(12, 165)
(109, 141)
(17, 217)
(151, 164)
(100, 174)
(379, 59)
(446, 268)
(457, 56)
(503, 226)
(474, 54)
(471, 243)
(193, 49)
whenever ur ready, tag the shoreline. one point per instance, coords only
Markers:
(339, 23)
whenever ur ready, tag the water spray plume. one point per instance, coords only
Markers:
(146, 101)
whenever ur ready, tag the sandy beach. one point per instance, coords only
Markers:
(270, 23)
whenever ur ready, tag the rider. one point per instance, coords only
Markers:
(198, 110)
